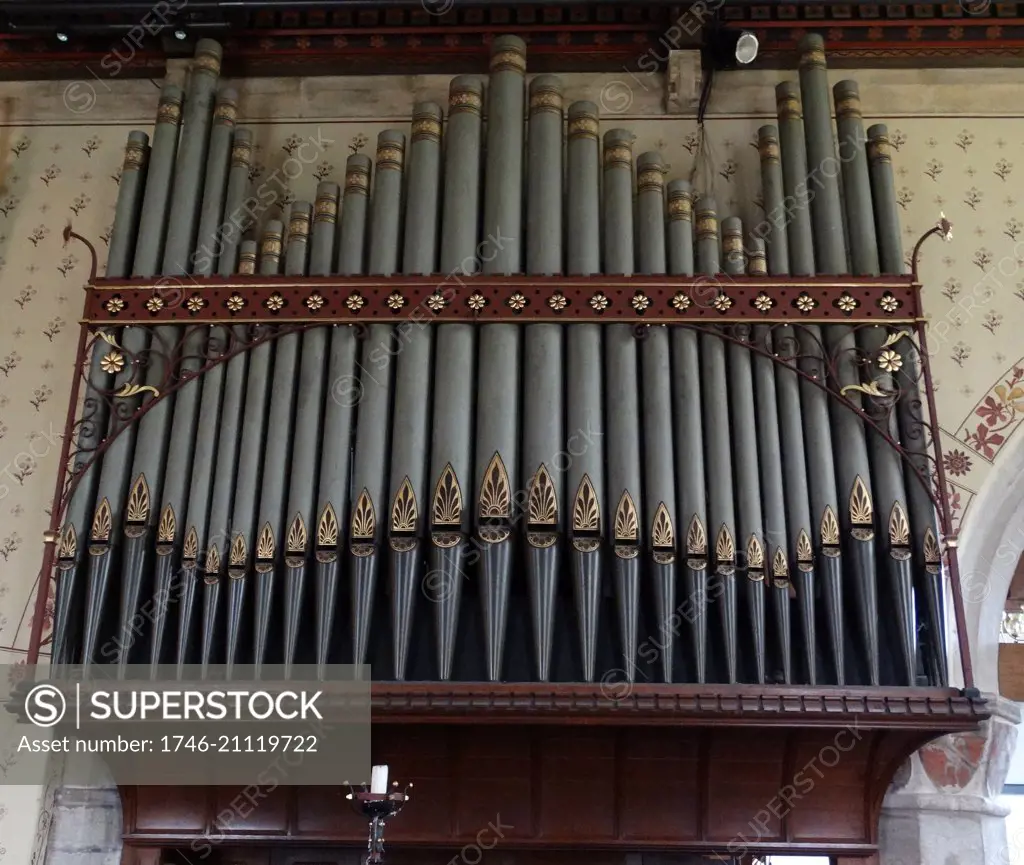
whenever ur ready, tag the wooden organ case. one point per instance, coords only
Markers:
(637, 515)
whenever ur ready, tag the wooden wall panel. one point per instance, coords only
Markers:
(828, 767)
(577, 766)
(570, 787)
(244, 811)
(170, 809)
(744, 774)
(660, 780)
(497, 784)
(321, 811)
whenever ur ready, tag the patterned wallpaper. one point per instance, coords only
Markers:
(50, 174)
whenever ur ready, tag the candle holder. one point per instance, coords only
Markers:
(377, 808)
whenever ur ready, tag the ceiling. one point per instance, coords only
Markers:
(266, 37)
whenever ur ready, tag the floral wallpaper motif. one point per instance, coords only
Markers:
(974, 294)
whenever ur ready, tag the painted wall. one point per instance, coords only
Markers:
(959, 149)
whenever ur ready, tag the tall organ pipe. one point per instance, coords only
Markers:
(795, 207)
(278, 450)
(317, 359)
(543, 428)
(497, 417)
(623, 445)
(187, 493)
(857, 518)
(451, 451)
(303, 243)
(776, 564)
(784, 467)
(886, 465)
(342, 391)
(688, 429)
(109, 517)
(584, 403)
(742, 416)
(169, 420)
(211, 548)
(369, 521)
(718, 461)
(806, 343)
(659, 466)
(245, 548)
(911, 428)
(412, 387)
(70, 555)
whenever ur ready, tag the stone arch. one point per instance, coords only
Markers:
(990, 546)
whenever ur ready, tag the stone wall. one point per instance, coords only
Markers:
(959, 138)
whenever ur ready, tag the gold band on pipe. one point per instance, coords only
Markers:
(680, 206)
(357, 180)
(426, 127)
(584, 126)
(169, 112)
(509, 60)
(325, 209)
(390, 156)
(135, 156)
(546, 100)
(469, 101)
(226, 113)
(789, 108)
(298, 225)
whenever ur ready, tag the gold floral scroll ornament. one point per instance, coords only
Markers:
(899, 533)
(627, 527)
(755, 554)
(447, 505)
(663, 536)
(68, 548)
(780, 567)
(327, 534)
(239, 554)
(804, 552)
(266, 548)
(327, 527)
(861, 511)
(725, 551)
(586, 509)
(167, 528)
(190, 549)
(542, 504)
(404, 510)
(829, 528)
(495, 494)
(138, 501)
(364, 520)
(696, 538)
(296, 540)
(932, 553)
(212, 566)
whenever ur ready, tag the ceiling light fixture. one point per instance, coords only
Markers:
(62, 37)
(746, 48)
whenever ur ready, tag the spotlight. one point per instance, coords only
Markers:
(746, 48)
(180, 35)
(62, 37)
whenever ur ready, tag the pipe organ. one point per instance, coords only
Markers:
(506, 403)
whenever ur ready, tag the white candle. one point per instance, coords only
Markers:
(379, 779)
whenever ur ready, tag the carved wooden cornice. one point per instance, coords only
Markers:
(620, 704)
